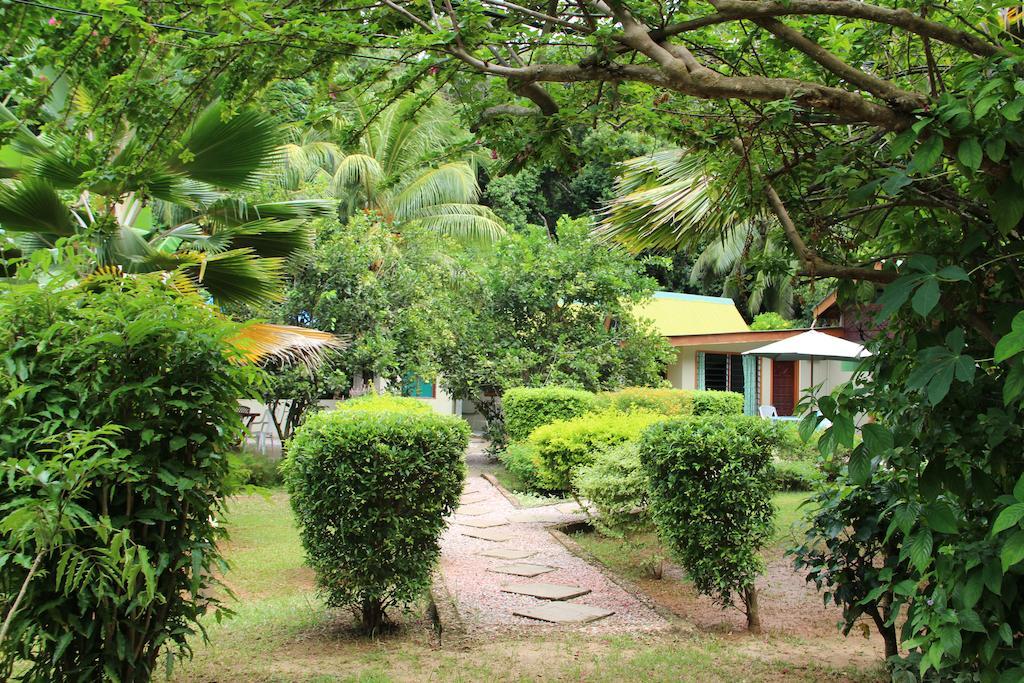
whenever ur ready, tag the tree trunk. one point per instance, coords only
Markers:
(373, 615)
(753, 611)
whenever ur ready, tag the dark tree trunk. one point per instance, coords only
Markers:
(753, 610)
(372, 615)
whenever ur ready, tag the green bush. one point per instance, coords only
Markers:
(795, 475)
(615, 482)
(671, 402)
(118, 406)
(565, 445)
(771, 320)
(527, 408)
(523, 462)
(386, 403)
(371, 490)
(254, 469)
(711, 493)
(717, 403)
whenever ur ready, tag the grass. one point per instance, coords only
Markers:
(283, 632)
(527, 499)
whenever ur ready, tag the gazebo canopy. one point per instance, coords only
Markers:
(811, 345)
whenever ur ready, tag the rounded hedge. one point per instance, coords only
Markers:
(709, 402)
(527, 408)
(371, 490)
(673, 402)
(565, 445)
(711, 485)
(386, 402)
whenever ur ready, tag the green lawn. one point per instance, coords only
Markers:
(282, 632)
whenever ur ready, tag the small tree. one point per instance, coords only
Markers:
(371, 485)
(711, 500)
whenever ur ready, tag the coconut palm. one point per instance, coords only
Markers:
(175, 214)
(670, 200)
(406, 164)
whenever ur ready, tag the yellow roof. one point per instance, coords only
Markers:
(675, 314)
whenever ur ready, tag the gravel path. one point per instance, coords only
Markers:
(477, 591)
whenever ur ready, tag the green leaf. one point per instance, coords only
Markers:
(926, 155)
(860, 466)
(1008, 518)
(940, 517)
(1012, 111)
(1011, 343)
(921, 549)
(808, 425)
(896, 294)
(1007, 205)
(877, 439)
(996, 149)
(1013, 550)
(955, 273)
(1013, 388)
(969, 153)
(1018, 489)
(926, 297)
(973, 588)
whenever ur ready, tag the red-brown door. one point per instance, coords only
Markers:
(784, 386)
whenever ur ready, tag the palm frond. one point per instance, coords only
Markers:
(237, 276)
(230, 151)
(467, 222)
(33, 205)
(232, 212)
(357, 172)
(668, 199)
(177, 189)
(274, 238)
(451, 183)
(262, 342)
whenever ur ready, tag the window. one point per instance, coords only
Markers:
(417, 387)
(723, 372)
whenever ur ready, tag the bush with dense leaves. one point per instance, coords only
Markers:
(565, 445)
(672, 402)
(118, 402)
(710, 482)
(717, 403)
(523, 462)
(527, 408)
(371, 489)
(795, 475)
(253, 469)
(616, 483)
(386, 403)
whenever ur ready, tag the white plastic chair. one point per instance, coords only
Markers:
(767, 412)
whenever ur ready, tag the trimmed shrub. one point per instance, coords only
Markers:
(370, 490)
(527, 408)
(795, 475)
(119, 407)
(711, 490)
(671, 402)
(253, 469)
(567, 444)
(717, 403)
(523, 462)
(386, 403)
(615, 482)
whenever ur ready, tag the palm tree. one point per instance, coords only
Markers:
(407, 165)
(670, 200)
(175, 214)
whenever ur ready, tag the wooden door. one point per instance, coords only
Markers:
(784, 386)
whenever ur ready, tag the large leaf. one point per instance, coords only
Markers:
(451, 183)
(260, 342)
(270, 238)
(469, 222)
(230, 151)
(33, 205)
(238, 276)
(233, 212)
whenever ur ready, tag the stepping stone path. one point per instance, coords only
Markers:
(546, 591)
(479, 553)
(523, 569)
(564, 613)
(482, 524)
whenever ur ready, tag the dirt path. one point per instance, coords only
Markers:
(476, 590)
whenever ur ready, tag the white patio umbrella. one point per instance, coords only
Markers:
(811, 345)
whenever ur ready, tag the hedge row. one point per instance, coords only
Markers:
(527, 408)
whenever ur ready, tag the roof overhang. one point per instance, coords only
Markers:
(760, 336)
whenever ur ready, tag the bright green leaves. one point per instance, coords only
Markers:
(969, 153)
(1009, 518)
(919, 549)
(1009, 350)
(937, 366)
(927, 155)
(921, 287)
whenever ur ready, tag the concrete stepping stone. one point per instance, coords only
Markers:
(563, 613)
(496, 535)
(474, 497)
(546, 591)
(473, 510)
(508, 554)
(482, 523)
(527, 569)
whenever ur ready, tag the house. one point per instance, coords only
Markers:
(709, 336)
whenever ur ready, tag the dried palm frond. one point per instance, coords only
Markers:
(263, 342)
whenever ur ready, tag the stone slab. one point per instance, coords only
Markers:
(473, 510)
(527, 569)
(564, 613)
(482, 523)
(496, 535)
(474, 497)
(546, 591)
(508, 554)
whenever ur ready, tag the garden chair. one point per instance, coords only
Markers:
(767, 412)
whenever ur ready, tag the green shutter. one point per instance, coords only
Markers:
(700, 370)
(749, 385)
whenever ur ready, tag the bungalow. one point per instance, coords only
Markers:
(709, 336)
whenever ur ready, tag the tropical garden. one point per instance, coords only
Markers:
(328, 204)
